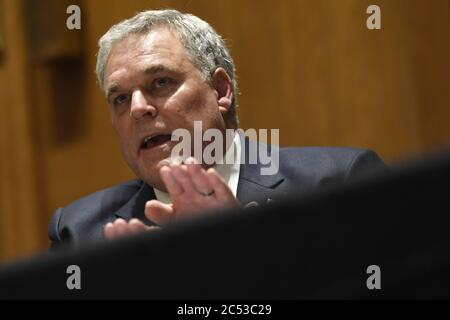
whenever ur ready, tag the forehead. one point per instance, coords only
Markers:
(137, 53)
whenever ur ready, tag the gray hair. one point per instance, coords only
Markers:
(206, 48)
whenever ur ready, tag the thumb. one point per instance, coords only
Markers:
(158, 212)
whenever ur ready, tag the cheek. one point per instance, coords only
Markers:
(123, 134)
(189, 105)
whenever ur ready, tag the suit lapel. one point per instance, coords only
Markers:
(254, 188)
(135, 207)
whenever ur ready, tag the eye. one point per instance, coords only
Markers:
(120, 99)
(162, 82)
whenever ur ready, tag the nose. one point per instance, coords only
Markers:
(140, 106)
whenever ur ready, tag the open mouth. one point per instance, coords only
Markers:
(154, 141)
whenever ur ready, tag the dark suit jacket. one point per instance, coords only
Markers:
(300, 170)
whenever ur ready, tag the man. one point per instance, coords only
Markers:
(162, 71)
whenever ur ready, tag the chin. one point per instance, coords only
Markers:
(150, 173)
(152, 180)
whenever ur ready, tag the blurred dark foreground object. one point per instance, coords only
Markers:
(316, 247)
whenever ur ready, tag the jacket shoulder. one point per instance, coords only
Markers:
(329, 164)
(89, 212)
(112, 197)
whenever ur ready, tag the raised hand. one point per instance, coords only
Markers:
(193, 190)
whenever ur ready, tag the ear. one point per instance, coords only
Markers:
(223, 85)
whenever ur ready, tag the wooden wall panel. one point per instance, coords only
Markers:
(20, 212)
(313, 69)
(310, 68)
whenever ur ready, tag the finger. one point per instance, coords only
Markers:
(181, 174)
(137, 226)
(221, 189)
(108, 231)
(176, 160)
(120, 228)
(191, 160)
(158, 212)
(198, 177)
(173, 186)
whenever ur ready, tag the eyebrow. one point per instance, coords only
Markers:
(156, 69)
(148, 71)
(111, 90)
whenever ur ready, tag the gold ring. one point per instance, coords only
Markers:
(207, 194)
